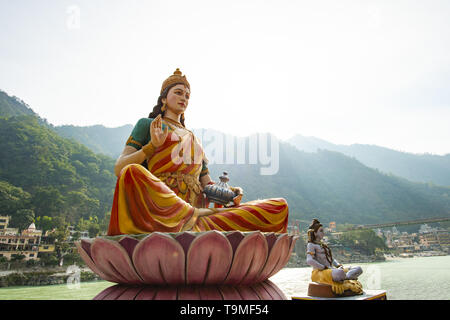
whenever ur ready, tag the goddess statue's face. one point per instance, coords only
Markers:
(177, 99)
(319, 234)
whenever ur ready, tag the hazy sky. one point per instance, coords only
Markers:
(372, 72)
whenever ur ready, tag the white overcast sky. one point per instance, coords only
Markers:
(371, 72)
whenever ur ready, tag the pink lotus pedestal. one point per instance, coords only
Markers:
(189, 264)
(265, 290)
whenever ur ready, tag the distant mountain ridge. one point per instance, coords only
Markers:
(415, 167)
(11, 106)
(324, 184)
(107, 141)
(334, 187)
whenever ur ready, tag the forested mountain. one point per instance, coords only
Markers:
(44, 172)
(11, 106)
(108, 141)
(334, 187)
(414, 167)
(50, 175)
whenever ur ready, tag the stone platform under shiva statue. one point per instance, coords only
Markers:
(189, 265)
(319, 291)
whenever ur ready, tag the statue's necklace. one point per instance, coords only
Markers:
(175, 123)
(178, 125)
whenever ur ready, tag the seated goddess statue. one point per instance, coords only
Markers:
(327, 270)
(162, 172)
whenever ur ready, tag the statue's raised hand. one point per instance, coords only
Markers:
(157, 135)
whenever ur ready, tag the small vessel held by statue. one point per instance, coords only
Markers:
(221, 192)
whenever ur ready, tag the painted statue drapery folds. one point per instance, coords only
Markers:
(164, 195)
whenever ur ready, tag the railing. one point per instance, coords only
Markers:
(399, 223)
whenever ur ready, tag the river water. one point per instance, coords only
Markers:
(424, 278)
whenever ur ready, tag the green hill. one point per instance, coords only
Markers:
(107, 141)
(52, 175)
(62, 177)
(11, 106)
(335, 187)
(414, 167)
(426, 168)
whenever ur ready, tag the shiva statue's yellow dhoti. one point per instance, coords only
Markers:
(325, 277)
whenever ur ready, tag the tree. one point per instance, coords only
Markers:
(76, 236)
(300, 248)
(48, 259)
(91, 225)
(104, 223)
(17, 257)
(47, 201)
(82, 225)
(13, 198)
(62, 246)
(22, 219)
(365, 240)
(94, 230)
(45, 223)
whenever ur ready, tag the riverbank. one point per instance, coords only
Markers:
(61, 275)
(300, 261)
(71, 274)
(420, 278)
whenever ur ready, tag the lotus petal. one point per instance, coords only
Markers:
(160, 259)
(235, 237)
(208, 259)
(102, 295)
(271, 238)
(188, 293)
(273, 290)
(85, 252)
(292, 241)
(185, 239)
(229, 293)
(262, 291)
(113, 261)
(129, 244)
(249, 258)
(117, 292)
(247, 293)
(166, 293)
(210, 293)
(147, 293)
(276, 258)
(130, 293)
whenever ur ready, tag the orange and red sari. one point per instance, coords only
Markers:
(164, 196)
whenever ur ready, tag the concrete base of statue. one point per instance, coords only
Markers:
(319, 291)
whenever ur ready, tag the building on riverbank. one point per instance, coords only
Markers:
(427, 239)
(74, 234)
(27, 243)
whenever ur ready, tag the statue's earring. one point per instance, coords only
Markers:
(163, 108)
